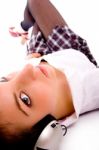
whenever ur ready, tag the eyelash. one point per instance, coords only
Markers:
(3, 79)
(25, 99)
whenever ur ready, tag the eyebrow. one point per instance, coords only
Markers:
(3, 79)
(19, 106)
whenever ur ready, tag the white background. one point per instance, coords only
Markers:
(83, 17)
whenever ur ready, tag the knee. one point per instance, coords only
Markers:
(34, 2)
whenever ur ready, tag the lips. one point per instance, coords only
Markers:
(43, 69)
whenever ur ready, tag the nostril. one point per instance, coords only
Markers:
(43, 60)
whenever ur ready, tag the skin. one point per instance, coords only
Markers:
(42, 11)
(46, 91)
(46, 17)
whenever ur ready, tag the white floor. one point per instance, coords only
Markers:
(82, 17)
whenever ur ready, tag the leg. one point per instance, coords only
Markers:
(42, 11)
(28, 20)
(62, 37)
(22, 28)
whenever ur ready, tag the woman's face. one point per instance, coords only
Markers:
(29, 95)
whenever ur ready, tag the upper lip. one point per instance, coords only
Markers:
(43, 69)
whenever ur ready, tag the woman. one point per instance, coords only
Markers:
(56, 84)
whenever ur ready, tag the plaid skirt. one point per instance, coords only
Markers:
(61, 38)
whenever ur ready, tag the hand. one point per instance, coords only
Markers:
(33, 55)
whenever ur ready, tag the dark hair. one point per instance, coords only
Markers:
(25, 140)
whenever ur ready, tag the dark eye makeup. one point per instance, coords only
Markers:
(3, 79)
(25, 99)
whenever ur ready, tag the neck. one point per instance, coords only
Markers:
(64, 103)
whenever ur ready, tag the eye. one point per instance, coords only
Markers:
(25, 99)
(3, 79)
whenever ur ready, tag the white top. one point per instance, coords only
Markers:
(83, 78)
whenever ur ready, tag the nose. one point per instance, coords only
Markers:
(28, 68)
(26, 74)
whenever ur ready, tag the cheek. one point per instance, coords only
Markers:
(43, 96)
